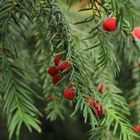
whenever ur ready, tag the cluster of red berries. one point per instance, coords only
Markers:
(137, 129)
(110, 25)
(100, 111)
(60, 68)
(57, 72)
(95, 104)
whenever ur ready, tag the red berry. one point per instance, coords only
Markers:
(64, 65)
(56, 79)
(139, 65)
(93, 103)
(136, 32)
(88, 100)
(100, 88)
(100, 111)
(53, 71)
(57, 59)
(66, 71)
(96, 105)
(69, 93)
(98, 108)
(110, 25)
(137, 129)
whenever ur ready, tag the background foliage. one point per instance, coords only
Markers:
(32, 33)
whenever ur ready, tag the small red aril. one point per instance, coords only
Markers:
(100, 88)
(88, 100)
(69, 93)
(97, 106)
(93, 103)
(57, 59)
(64, 65)
(53, 71)
(110, 25)
(100, 111)
(56, 79)
(136, 32)
(137, 129)
(67, 71)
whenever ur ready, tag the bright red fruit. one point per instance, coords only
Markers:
(66, 71)
(53, 71)
(93, 103)
(110, 25)
(56, 79)
(137, 129)
(88, 100)
(57, 59)
(100, 111)
(64, 65)
(136, 32)
(100, 88)
(139, 65)
(69, 93)
(97, 106)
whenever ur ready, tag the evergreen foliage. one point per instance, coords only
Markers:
(34, 32)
